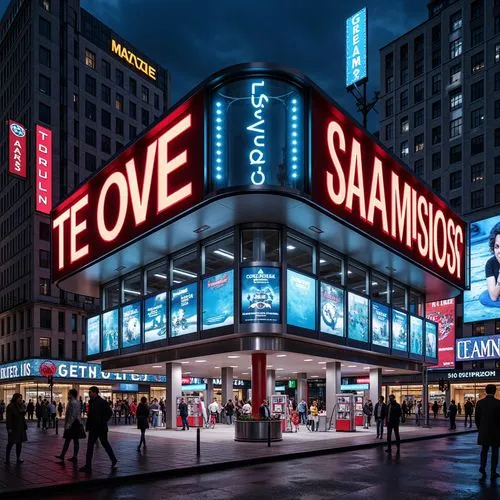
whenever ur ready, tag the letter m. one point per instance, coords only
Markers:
(401, 211)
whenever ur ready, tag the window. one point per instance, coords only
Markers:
(145, 117)
(44, 258)
(436, 135)
(436, 83)
(185, 268)
(477, 145)
(74, 349)
(389, 107)
(404, 149)
(418, 167)
(398, 296)
(496, 23)
(403, 100)
(144, 94)
(331, 268)
(106, 119)
(119, 126)
(456, 180)
(497, 137)
(388, 132)
(112, 295)
(436, 109)
(418, 92)
(90, 111)
(497, 165)
(455, 73)
(132, 110)
(436, 161)
(90, 136)
(477, 62)
(476, 90)
(44, 231)
(45, 318)
(89, 58)
(456, 154)
(497, 81)
(436, 56)
(45, 4)
(456, 204)
(455, 48)
(44, 27)
(436, 33)
(118, 146)
(106, 144)
(132, 84)
(456, 127)
(119, 102)
(477, 199)
(74, 323)
(356, 278)
(477, 172)
(119, 77)
(90, 162)
(497, 108)
(45, 347)
(60, 348)
(76, 103)
(455, 21)
(106, 94)
(44, 84)
(299, 254)
(497, 53)
(418, 118)
(389, 83)
(436, 185)
(476, 10)
(132, 132)
(404, 126)
(260, 245)
(476, 36)
(157, 278)
(76, 128)
(455, 100)
(44, 56)
(44, 113)
(61, 321)
(105, 69)
(90, 85)
(477, 117)
(76, 75)
(157, 101)
(418, 143)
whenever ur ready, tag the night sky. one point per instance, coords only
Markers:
(194, 38)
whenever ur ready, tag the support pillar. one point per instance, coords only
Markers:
(174, 389)
(333, 382)
(210, 391)
(270, 383)
(259, 361)
(227, 384)
(375, 384)
(425, 397)
(301, 393)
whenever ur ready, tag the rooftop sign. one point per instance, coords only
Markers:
(134, 60)
(356, 48)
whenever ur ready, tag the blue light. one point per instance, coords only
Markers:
(294, 125)
(218, 153)
(294, 150)
(294, 101)
(294, 142)
(219, 112)
(294, 134)
(218, 120)
(218, 104)
(294, 158)
(219, 169)
(294, 167)
(294, 175)
(219, 160)
(218, 144)
(218, 127)
(219, 177)
(219, 136)
(294, 110)
(294, 117)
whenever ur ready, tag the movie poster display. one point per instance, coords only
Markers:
(155, 318)
(301, 300)
(416, 335)
(218, 300)
(93, 331)
(110, 329)
(380, 324)
(332, 310)
(131, 325)
(430, 339)
(184, 306)
(357, 307)
(399, 330)
(260, 295)
(443, 313)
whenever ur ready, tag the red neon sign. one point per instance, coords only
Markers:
(363, 380)
(43, 166)
(17, 149)
(153, 180)
(356, 179)
(443, 313)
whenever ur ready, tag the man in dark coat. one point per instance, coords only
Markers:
(488, 424)
(452, 414)
(98, 415)
(264, 411)
(183, 413)
(380, 413)
(469, 409)
(393, 419)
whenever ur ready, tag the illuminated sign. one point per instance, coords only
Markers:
(218, 300)
(363, 380)
(138, 63)
(431, 340)
(93, 335)
(301, 300)
(257, 130)
(355, 387)
(151, 181)
(356, 48)
(17, 149)
(475, 348)
(357, 180)
(472, 374)
(43, 169)
(260, 295)
(443, 313)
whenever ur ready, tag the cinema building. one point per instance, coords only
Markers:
(257, 232)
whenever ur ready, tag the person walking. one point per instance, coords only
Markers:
(60, 409)
(38, 412)
(52, 412)
(183, 412)
(214, 410)
(488, 423)
(435, 409)
(30, 409)
(16, 427)
(142, 415)
(367, 414)
(452, 414)
(380, 415)
(73, 429)
(2, 409)
(98, 415)
(469, 410)
(229, 409)
(393, 419)
(459, 407)
(313, 410)
(44, 409)
(302, 407)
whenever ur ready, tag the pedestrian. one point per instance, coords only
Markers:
(445, 409)
(155, 413)
(214, 410)
(418, 414)
(229, 409)
(452, 414)
(183, 412)
(264, 410)
(367, 414)
(435, 409)
(393, 419)
(38, 411)
(52, 412)
(302, 407)
(294, 420)
(30, 409)
(60, 409)
(133, 410)
(142, 415)
(203, 409)
(98, 415)
(313, 410)
(487, 421)
(380, 416)
(16, 427)
(469, 410)
(73, 428)
(45, 414)
(2, 409)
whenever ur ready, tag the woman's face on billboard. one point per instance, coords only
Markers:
(496, 248)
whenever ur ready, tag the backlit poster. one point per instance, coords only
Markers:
(430, 339)
(416, 335)
(218, 300)
(110, 330)
(301, 300)
(43, 169)
(184, 306)
(399, 331)
(443, 313)
(380, 324)
(260, 295)
(155, 317)
(93, 327)
(332, 309)
(357, 327)
(131, 324)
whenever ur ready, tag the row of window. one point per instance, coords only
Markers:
(9, 324)
(9, 351)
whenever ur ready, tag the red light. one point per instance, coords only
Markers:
(43, 172)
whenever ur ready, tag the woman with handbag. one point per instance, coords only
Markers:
(16, 427)
(73, 428)
(142, 414)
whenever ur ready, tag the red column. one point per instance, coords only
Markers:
(259, 361)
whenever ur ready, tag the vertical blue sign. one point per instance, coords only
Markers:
(356, 48)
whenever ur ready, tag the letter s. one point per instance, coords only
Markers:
(337, 198)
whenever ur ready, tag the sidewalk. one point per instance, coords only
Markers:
(171, 454)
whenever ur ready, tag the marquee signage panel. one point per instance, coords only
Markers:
(477, 348)
(356, 34)
(17, 149)
(43, 169)
(443, 313)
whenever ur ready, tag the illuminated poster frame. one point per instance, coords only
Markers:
(92, 331)
(109, 344)
(218, 300)
(131, 324)
(332, 310)
(156, 314)
(301, 310)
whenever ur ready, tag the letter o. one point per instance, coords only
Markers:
(121, 182)
(440, 259)
(257, 174)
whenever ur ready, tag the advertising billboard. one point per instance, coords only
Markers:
(260, 295)
(356, 48)
(443, 313)
(332, 309)
(93, 334)
(430, 339)
(110, 328)
(381, 315)
(482, 301)
(357, 312)
(301, 300)
(17, 149)
(43, 169)
(184, 315)
(399, 330)
(131, 324)
(155, 317)
(218, 300)
(478, 348)
(416, 335)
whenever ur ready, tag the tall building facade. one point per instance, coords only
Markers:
(62, 68)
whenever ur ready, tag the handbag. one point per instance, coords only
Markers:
(76, 431)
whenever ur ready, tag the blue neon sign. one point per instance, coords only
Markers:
(356, 48)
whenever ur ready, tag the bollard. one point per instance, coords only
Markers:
(57, 426)
(198, 442)
(269, 434)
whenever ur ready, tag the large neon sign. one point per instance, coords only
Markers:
(17, 149)
(134, 60)
(43, 174)
(356, 48)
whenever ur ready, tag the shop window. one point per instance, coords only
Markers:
(261, 245)
(156, 278)
(112, 295)
(379, 288)
(478, 329)
(416, 303)
(45, 347)
(356, 278)
(398, 296)
(132, 287)
(331, 268)
(185, 268)
(299, 254)
(45, 318)
(219, 255)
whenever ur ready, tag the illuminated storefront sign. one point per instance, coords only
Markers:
(443, 313)
(472, 374)
(356, 48)
(17, 149)
(43, 172)
(355, 387)
(140, 64)
(476, 348)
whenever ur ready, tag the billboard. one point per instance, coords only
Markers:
(93, 334)
(356, 48)
(357, 312)
(332, 309)
(477, 348)
(301, 300)
(131, 324)
(443, 313)
(43, 169)
(17, 149)
(260, 295)
(218, 300)
(416, 335)
(184, 315)
(381, 315)
(482, 301)
(430, 339)
(155, 318)
(110, 328)
(399, 330)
